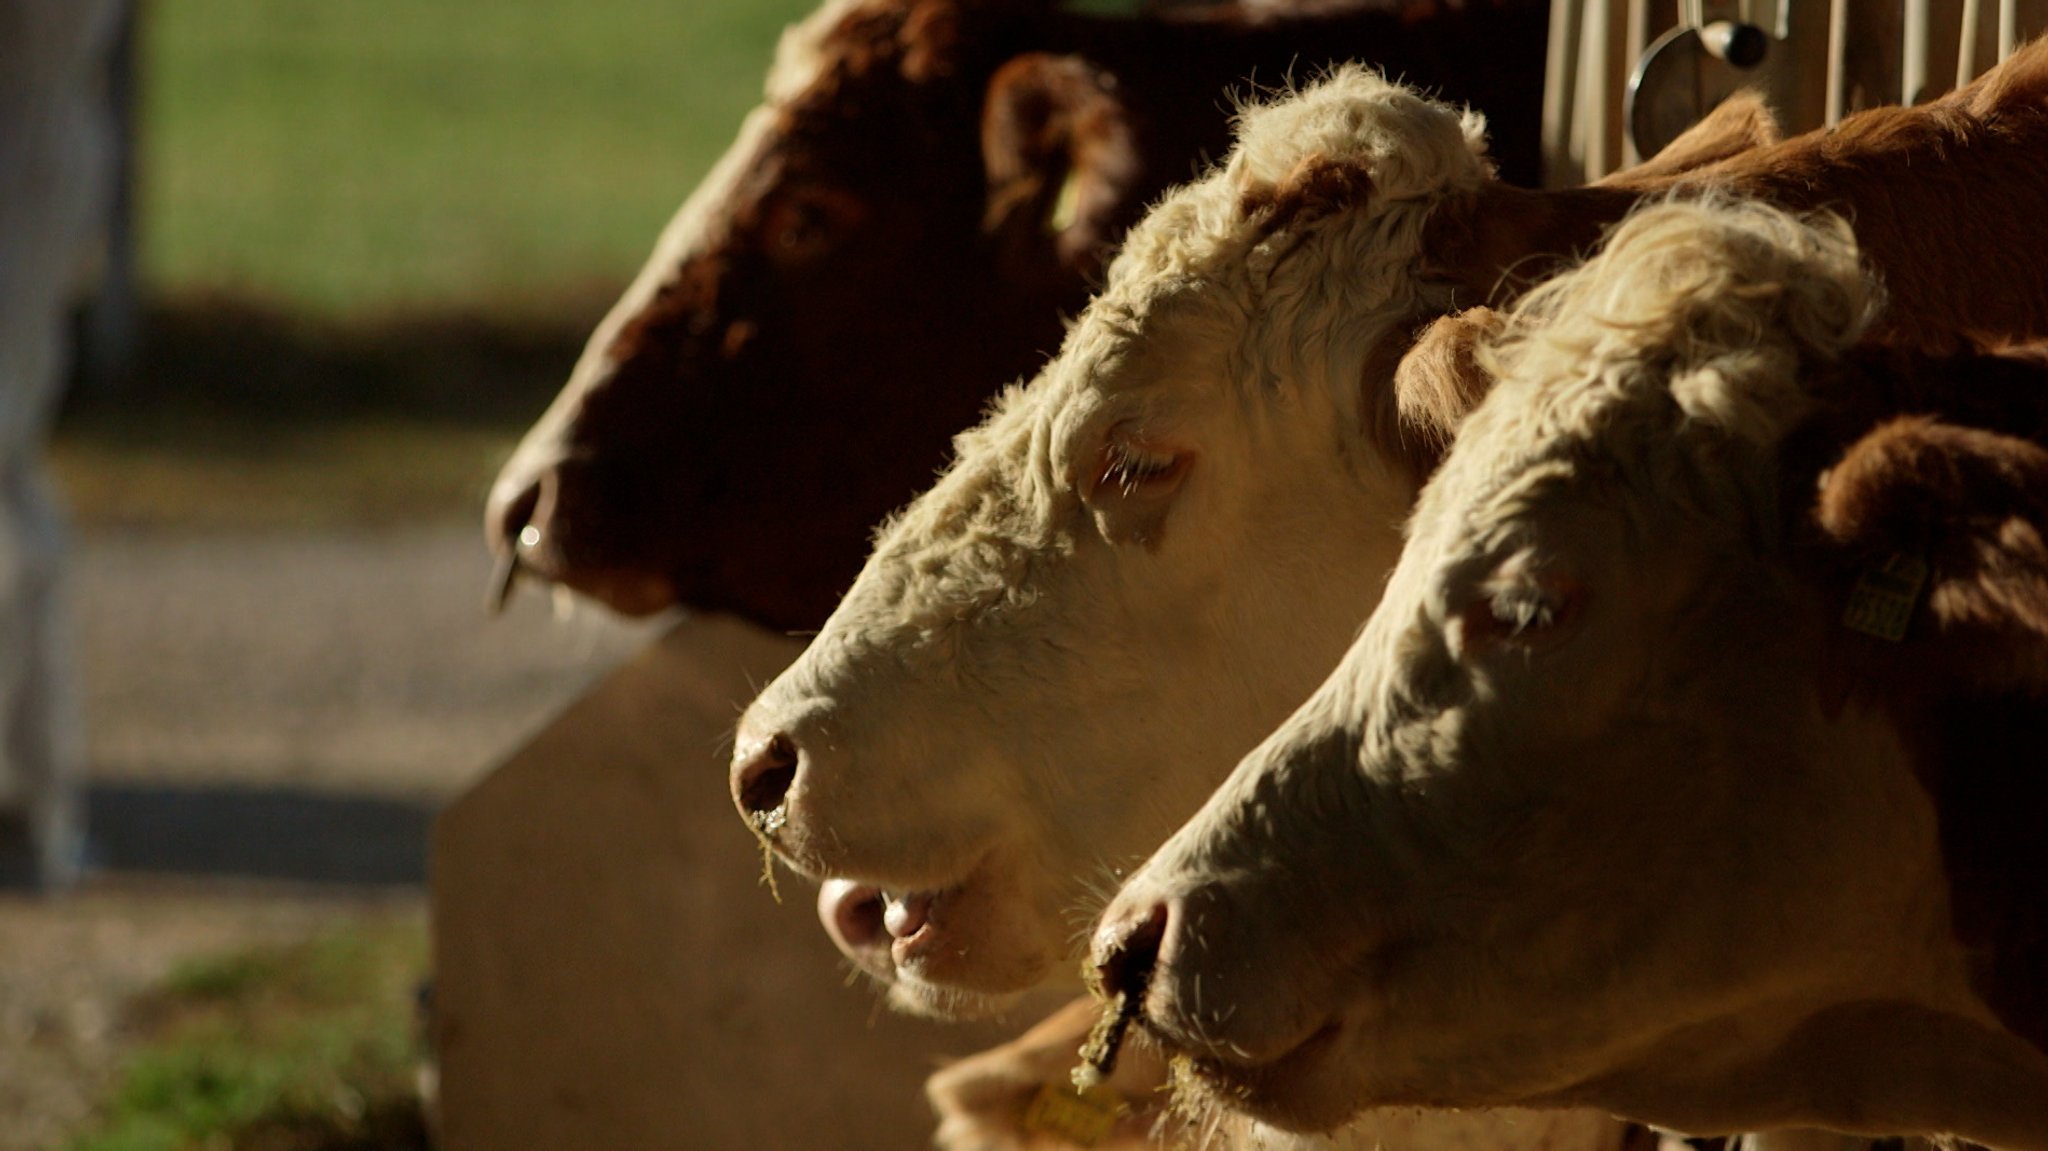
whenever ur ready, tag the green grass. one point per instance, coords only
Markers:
(376, 234)
(381, 155)
(304, 1048)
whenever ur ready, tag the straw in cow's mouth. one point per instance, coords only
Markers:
(1098, 1054)
(765, 825)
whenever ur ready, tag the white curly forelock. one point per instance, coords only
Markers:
(1721, 302)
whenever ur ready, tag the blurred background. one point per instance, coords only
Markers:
(360, 247)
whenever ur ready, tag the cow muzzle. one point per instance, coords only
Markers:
(1174, 962)
(773, 777)
(528, 522)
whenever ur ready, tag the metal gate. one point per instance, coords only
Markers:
(1625, 76)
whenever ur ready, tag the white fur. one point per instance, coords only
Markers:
(1627, 860)
(1032, 683)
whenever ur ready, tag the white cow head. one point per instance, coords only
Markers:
(1579, 819)
(1129, 573)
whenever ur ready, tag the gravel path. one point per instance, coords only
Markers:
(362, 663)
(232, 673)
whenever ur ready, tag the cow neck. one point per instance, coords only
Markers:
(1980, 755)
(1949, 201)
(1979, 744)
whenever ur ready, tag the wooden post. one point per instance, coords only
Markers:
(611, 974)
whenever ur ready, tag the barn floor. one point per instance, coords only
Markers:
(273, 718)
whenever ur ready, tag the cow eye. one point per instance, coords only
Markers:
(1130, 486)
(1520, 610)
(1523, 610)
(1131, 467)
(1128, 470)
(807, 222)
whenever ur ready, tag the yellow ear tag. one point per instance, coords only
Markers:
(1066, 207)
(1072, 1115)
(1881, 603)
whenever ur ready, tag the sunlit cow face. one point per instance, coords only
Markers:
(1134, 568)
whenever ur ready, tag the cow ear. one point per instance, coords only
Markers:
(1318, 186)
(1062, 162)
(1943, 531)
(1437, 383)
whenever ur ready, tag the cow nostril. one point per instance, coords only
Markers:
(1126, 952)
(511, 520)
(509, 528)
(761, 780)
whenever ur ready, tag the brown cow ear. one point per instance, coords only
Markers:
(1962, 512)
(1318, 186)
(1437, 383)
(1061, 157)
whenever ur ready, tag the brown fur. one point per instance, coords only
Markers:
(1949, 201)
(1318, 186)
(1501, 240)
(1974, 502)
(1742, 123)
(1437, 383)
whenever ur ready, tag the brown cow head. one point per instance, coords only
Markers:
(842, 293)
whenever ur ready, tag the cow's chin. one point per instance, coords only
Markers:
(967, 950)
(1306, 1089)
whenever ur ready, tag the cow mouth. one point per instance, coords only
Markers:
(950, 950)
(629, 592)
(884, 932)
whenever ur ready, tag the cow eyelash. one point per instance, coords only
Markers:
(1521, 610)
(1126, 469)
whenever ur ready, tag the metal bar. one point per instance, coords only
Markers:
(1913, 55)
(1966, 46)
(1638, 40)
(2008, 27)
(1560, 95)
(1594, 86)
(1838, 57)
